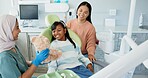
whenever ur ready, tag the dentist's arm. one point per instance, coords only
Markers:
(39, 58)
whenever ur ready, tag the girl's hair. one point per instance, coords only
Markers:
(53, 27)
(89, 7)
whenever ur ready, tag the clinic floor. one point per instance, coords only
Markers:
(140, 76)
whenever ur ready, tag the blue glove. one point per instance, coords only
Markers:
(41, 57)
(37, 53)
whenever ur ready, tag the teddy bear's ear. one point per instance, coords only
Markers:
(47, 40)
(33, 39)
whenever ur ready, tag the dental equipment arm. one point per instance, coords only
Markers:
(125, 63)
(126, 40)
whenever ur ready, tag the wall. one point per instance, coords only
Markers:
(100, 11)
(141, 7)
(5, 6)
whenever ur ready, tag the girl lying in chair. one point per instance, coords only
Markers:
(71, 58)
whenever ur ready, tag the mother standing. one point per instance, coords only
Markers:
(83, 27)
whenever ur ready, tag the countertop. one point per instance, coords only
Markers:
(117, 29)
(123, 29)
(32, 29)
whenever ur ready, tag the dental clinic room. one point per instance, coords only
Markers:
(73, 39)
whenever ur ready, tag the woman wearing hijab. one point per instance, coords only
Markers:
(12, 62)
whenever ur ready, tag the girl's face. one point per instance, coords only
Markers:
(83, 12)
(16, 31)
(59, 33)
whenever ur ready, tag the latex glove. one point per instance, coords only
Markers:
(37, 53)
(41, 57)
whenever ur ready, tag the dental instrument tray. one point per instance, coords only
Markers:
(60, 74)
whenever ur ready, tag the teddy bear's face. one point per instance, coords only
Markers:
(40, 42)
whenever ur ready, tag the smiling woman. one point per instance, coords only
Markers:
(12, 62)
(84, 28)
(16, 31)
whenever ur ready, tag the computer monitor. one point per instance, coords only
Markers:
(28, 12)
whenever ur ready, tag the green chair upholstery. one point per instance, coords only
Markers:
(75, 37)
(50, 19)
(60, 74)
(48, 33)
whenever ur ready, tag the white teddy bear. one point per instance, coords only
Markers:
(41, 43)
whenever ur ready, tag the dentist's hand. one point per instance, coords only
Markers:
(40, 57)
(37, 53)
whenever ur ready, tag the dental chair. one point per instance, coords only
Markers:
(49, 20)
(48, 33)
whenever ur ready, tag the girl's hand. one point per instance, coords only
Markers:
(97, 41)
(91, 58)
(89, 66)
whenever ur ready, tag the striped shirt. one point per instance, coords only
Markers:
(71, 57)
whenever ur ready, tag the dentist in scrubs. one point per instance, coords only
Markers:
(12, 62)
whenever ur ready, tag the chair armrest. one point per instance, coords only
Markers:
(100, 63)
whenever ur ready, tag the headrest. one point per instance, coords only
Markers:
(50, 19)
(48, 33)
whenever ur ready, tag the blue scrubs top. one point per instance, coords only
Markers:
(12, 64)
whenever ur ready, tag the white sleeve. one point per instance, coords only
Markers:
(52, 66)
(82, 58)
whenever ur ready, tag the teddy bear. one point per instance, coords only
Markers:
(41, 42)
